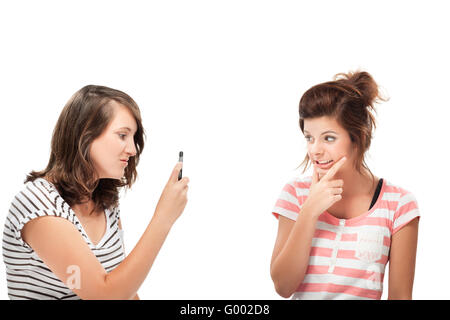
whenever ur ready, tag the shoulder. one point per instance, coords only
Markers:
(398, 194)
(297, 186)
(394, 188)
(300, 182)
(37, 198)
(404, 205)
(36, 195)
(292, 197)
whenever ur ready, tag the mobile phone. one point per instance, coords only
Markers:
(180, 159)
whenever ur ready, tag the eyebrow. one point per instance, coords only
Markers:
(328, 131)
(126, 128)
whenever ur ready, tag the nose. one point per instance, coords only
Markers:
(315, 148)
(131, 148)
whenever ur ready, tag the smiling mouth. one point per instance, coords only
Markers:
(323, 162)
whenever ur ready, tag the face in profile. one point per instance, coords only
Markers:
(111, 150)
(327, 142)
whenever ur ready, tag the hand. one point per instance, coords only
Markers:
(173, 198)
(324, 191)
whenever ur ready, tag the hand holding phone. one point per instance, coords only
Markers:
(173, 198)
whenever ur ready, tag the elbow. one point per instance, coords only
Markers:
(283, 286)
(405, 297)
(116, 291)
(284, 291)
(400, 296)
(103, 289)
(397, 292)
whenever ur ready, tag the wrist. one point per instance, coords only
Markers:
(309, 210)
(161, 220)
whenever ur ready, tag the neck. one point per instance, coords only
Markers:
(356, 183)
(85, 208)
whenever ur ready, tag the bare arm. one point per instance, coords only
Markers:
(291, 252)
(290, 256)
(402, 261)
(59, 244)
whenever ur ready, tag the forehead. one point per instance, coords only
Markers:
(122, 117)
(322, 124)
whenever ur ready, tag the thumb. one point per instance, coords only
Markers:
(315, 176)
(174, 175)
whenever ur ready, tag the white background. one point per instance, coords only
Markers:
(221, 80)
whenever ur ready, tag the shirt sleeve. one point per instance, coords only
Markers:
(407, 210)
(291, 199)
(32, 202)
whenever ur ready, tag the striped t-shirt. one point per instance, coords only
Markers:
(348, 256)
(28, 277)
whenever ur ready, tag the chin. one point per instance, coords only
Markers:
(116, 176)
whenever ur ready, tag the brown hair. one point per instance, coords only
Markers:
(70, 169)
(350, 99)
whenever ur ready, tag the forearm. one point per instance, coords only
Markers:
(289, 267)
(124, 281)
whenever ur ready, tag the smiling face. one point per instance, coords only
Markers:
(327, 142)
(111, 150)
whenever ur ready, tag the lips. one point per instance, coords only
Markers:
(323, 164)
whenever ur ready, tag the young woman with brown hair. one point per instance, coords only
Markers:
(339, 228)
(63, 236)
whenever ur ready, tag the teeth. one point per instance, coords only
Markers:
(324, 162)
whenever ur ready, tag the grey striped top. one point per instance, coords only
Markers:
(28, 277)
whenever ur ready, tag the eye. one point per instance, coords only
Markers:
(308, 138)
(122, 136)
(330, 138)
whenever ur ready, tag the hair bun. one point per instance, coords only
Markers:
(362, 84)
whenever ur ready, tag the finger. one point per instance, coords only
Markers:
(330, 174)
(336, 183)
(174, 176)
(320, 176)
(315, 176)
(321, 172)
(184, 181)
(337, 191)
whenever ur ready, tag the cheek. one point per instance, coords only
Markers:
(103, 150)
(342, 148)
(349, 152)
(112, 146)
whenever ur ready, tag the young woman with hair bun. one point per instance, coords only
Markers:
(338, 228)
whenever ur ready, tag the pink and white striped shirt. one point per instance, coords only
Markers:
(348, 256)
